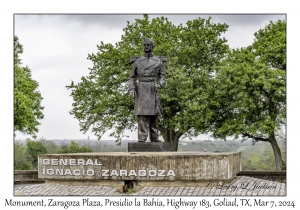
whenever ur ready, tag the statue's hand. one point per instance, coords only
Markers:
(158, 87)
(132, 93)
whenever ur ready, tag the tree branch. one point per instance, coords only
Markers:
(254, 137)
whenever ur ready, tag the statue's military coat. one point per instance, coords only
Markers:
(145, 74)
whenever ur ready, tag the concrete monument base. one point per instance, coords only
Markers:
(140, 168)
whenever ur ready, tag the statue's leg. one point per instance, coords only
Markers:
(153, 121)
(143, 122)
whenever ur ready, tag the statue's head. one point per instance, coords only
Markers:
(148, 45)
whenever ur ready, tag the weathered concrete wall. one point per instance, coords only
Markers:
(143, 166)
(23, 176)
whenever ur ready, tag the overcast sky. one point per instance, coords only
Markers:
(56, 48)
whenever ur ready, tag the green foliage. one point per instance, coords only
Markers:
(34, 148)
(74, 148)
(250, 98)
(129, 191)
(260, 157)
(102, 102)
(270, 45)
(18, 49)
(26, 156)
(27, 98)
(249, 94)
(22, 160)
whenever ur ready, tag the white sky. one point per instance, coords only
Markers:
(9, 7)
(56, 48)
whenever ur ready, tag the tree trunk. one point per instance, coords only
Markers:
(277, 153)
(172, 137)
(174, 142)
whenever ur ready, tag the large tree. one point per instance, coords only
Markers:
(250, 90)
(102, 102)
(27, 98)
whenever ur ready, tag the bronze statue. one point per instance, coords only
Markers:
(147, 77)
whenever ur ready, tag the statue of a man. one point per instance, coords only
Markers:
(147, 77)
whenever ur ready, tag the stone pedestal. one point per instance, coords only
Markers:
(149, 147)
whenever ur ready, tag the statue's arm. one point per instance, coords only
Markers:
(132, 81)
(132, 78)
(162, 76)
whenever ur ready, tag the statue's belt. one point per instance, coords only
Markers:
(146, 79)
